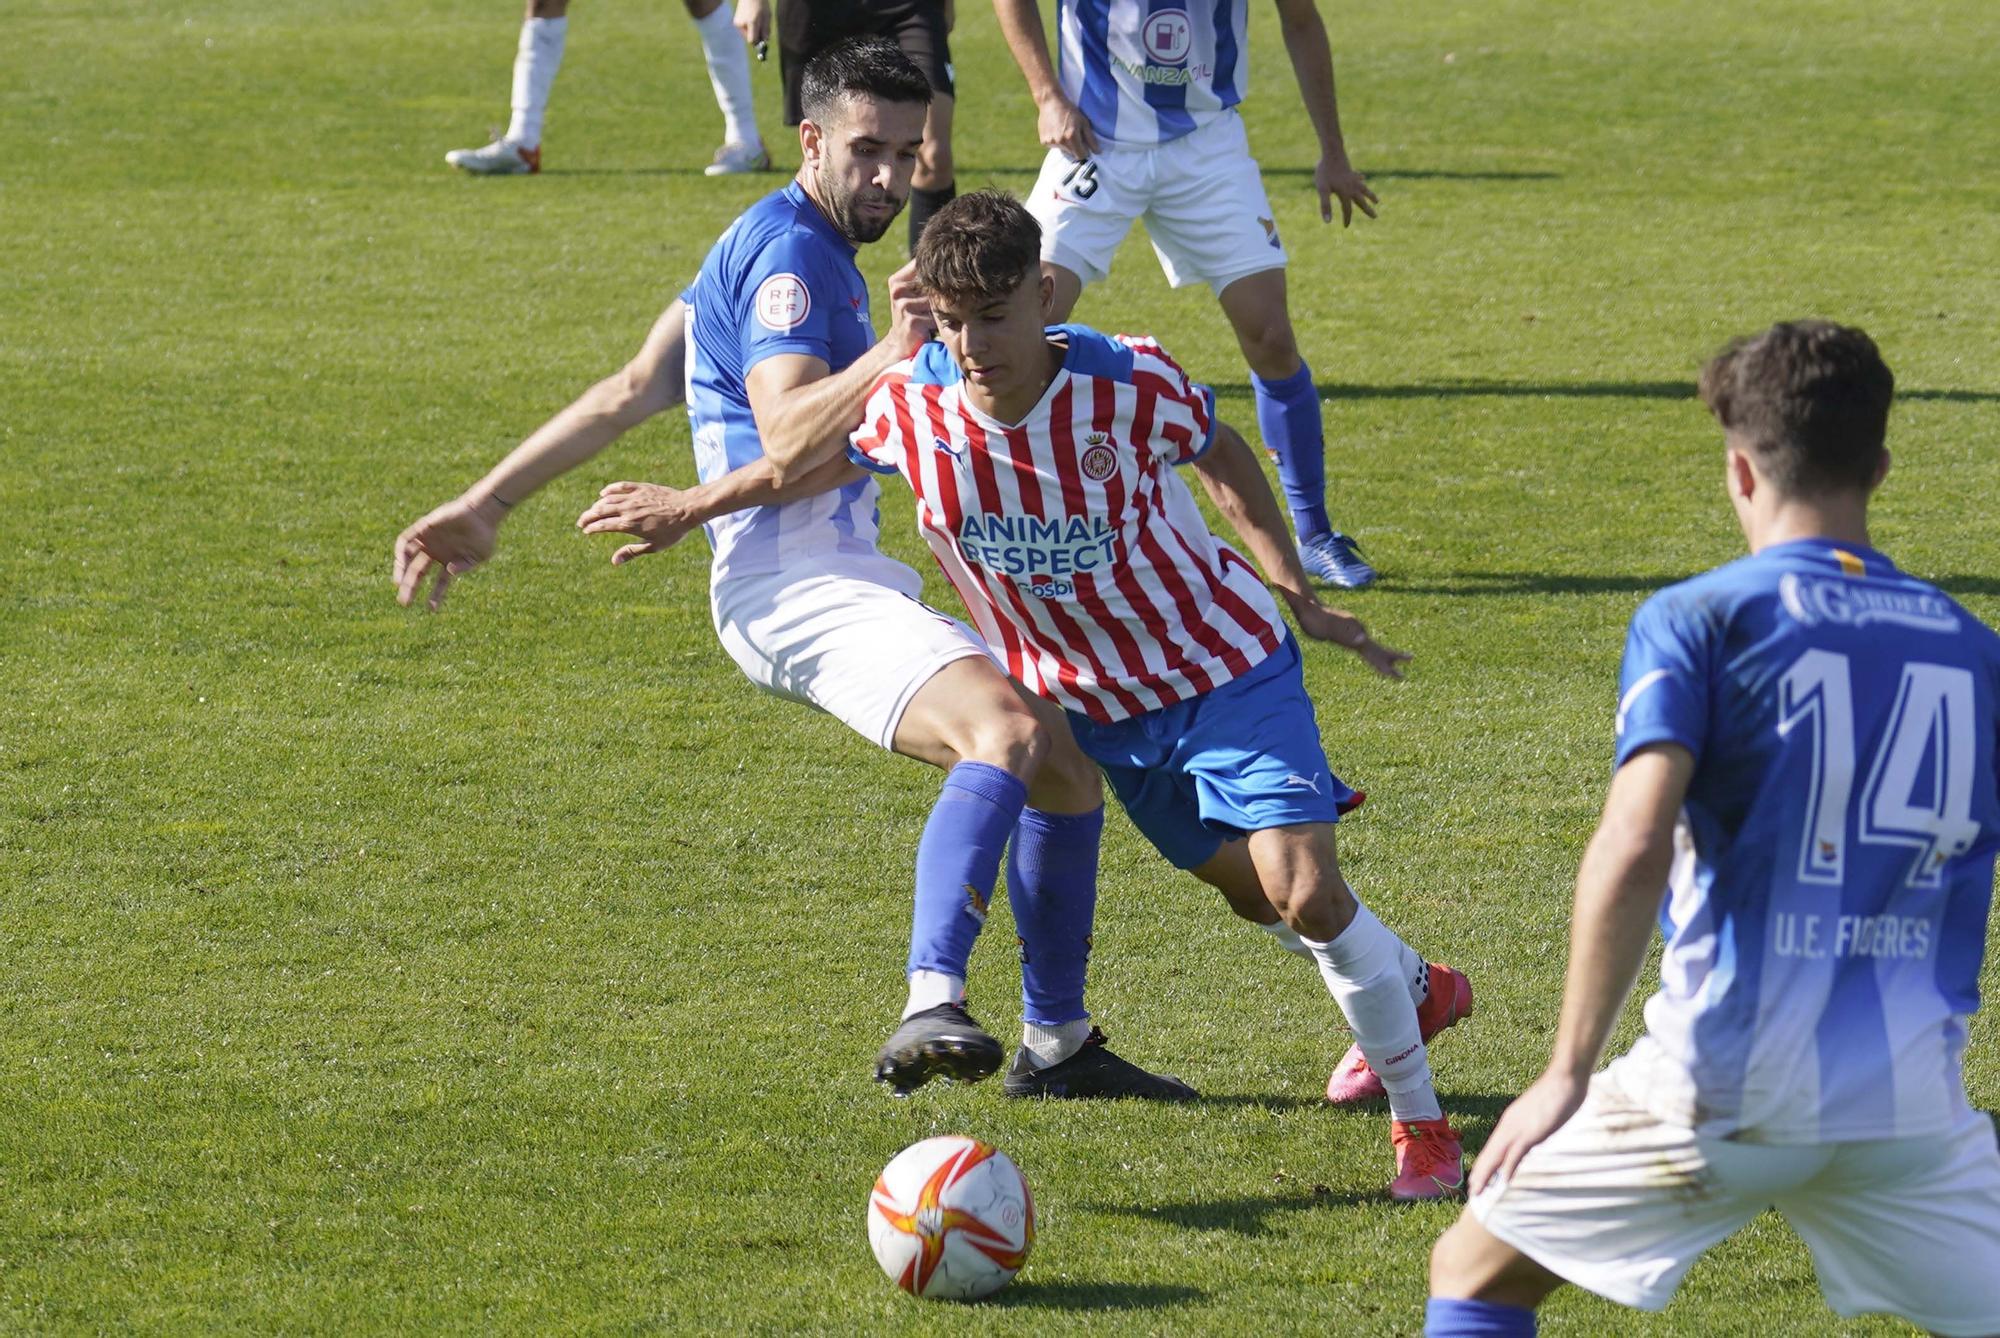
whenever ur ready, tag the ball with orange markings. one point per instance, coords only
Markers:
(951, 1219)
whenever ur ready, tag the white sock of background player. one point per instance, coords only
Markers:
(729, 75)
(1366, 972)
(1417, 970)
(535, 64)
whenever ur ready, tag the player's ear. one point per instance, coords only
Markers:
(811, 138)
(1881, 471)
(1742, 475)
(1048, 287)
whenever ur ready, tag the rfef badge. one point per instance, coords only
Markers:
(783, 302)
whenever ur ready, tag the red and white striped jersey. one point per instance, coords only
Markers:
(1078, 550)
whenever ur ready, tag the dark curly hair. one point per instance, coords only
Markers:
(976, 249)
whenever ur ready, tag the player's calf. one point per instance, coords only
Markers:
(1482, 1285)
(1369, 971)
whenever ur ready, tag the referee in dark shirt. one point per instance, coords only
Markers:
(922, 28)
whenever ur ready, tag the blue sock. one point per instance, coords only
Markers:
(1288, 416)
(1052, 883)
(957, 861)
(1477, 1319)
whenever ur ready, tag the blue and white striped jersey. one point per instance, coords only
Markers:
(1148, 71)
(1834, 871)
(780, 280)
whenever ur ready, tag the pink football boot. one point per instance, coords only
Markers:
(1450, 1000)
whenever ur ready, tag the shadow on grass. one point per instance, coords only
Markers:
(1028, 1294)
(1421, 174)
(776, 179)
(1467, 389)
(1258, 1100)
(1535, 583)
(1585, 390)
(1246, 1216)
(1375, 175)
(1538, 583)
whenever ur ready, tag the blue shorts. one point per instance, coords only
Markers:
(1233, 761)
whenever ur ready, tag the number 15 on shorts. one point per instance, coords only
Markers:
(1081, 180)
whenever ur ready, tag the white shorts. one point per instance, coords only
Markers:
(1201, 196)
(855, 646)
(1622, 1204)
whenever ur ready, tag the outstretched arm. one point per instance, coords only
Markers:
(1059, 122)
(661, 516)
(462, 533)
(1312, 66)
(1235, 482)
(1618, 889)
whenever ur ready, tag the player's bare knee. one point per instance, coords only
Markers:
(1270, 347)
(548, 9)
(1448, 1265)
(1010, 739)
(1296, 897)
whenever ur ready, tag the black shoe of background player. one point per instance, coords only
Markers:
(1092, 1071)
(940, 1042)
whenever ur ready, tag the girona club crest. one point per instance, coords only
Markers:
(1099, 463)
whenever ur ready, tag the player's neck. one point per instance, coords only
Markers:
(1839, 522)
(1014, 405)
(808, 181)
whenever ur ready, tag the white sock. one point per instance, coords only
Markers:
(536, 61)
(928, 989)
(1364, 970)
(729, 75)
(1052, 1045)
(1288, 937)
(1418, 972)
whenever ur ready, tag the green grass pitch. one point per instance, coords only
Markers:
(520, 968)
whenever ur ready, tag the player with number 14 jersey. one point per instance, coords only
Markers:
(1806, 752)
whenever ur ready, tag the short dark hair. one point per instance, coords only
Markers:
(977, 248)
(859, 67)
(1811, 401)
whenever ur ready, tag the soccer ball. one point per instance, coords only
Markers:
(951, 1218)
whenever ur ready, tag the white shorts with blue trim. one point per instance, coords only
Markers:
(1201, 196)
(856, 643)
(1622, 1204)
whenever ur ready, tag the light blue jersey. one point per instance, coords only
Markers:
(780, 280)
(1834, 867)
(1147, 71)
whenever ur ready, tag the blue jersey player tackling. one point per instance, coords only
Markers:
(773, 344)
(1806, 739)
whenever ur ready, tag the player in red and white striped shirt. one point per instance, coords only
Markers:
(1079, 552)
(1043, 461)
